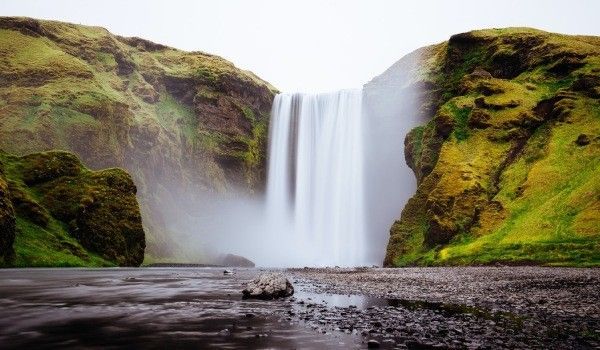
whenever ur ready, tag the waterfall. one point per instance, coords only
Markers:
(315, 188)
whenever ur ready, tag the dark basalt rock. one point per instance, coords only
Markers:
(566, 65)
(479, 119)
(481, 73)
(588, 84)
(582, 140)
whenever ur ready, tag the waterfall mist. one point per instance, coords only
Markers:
(337, 180)
(393, 104)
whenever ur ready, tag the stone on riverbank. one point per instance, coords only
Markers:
(268, 286)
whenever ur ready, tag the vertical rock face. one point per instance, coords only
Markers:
(63, 214)
(503, 174)
(184, 124)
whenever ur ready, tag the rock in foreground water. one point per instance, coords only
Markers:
(268, 286)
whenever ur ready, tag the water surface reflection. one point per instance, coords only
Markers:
(146, 307)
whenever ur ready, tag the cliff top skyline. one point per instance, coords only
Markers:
(312, 45)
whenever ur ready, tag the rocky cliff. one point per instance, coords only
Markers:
(508, 156)
(56, 212)
(184, 124)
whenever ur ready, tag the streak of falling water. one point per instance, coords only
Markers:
(315, 189)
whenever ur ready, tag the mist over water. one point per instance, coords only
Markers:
(337, 180)
(315, 188)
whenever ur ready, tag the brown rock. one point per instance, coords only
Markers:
(582, 140)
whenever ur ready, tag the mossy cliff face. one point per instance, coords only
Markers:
(56, 212)
(7, 223)
(507, 165)
(182, 123)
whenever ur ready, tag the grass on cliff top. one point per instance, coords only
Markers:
(24, 54)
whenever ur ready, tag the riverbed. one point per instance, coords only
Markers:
(486, 307)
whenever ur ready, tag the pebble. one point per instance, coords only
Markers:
(457, 307)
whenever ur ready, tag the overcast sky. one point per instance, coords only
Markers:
(307, 45)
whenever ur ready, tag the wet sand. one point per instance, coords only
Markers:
(418, 308)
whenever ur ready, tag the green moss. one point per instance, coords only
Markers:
(126, 102)
(207, 74)
(52, 247)
(472, 58)
(461, 118)
(107, 60)
(178, 118)
(415, 138)
(512, 186)
(248, 113)
(67, 215)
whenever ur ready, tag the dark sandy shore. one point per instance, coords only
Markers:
(201, 308)
(474, 307)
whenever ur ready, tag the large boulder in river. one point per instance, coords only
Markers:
(269, 286)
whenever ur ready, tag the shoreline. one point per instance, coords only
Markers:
(469, 307)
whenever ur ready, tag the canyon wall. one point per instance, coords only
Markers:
(188, 126)
(507, 157)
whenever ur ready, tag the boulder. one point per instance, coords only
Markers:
(97, 208)
(268, 286)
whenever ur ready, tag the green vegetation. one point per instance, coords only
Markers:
(513, 185)
(461, 117)
(52, 247)
(67, 215)
(167, 116)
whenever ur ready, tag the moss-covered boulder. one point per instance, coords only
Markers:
(503, 172)
(67, 215)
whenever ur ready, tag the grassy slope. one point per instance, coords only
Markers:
(515, 187)
(59, 85)
(182, 123)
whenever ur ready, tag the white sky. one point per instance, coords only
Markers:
(311, 45)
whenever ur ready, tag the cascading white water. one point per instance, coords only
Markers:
(315, 189)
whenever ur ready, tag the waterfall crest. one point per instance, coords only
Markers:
(315, 188)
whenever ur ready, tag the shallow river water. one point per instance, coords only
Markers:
(146, 307)
(201, 308)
